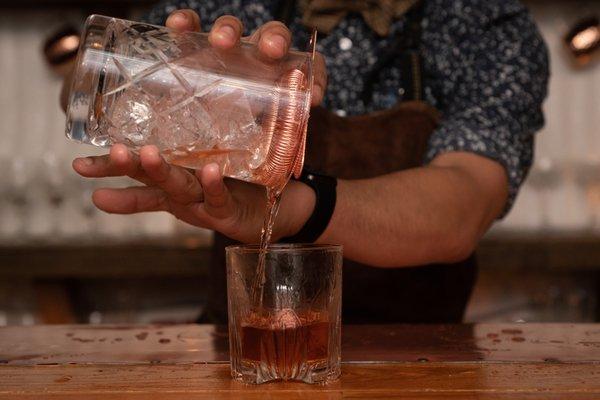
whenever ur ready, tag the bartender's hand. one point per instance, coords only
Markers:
(203, 198)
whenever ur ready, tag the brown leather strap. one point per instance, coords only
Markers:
(407, 48)
(285, 11)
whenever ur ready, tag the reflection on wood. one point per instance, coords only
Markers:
(212, 381)
(179, 344)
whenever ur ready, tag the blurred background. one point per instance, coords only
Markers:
(63, 261)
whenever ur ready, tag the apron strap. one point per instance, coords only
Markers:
(412, 65)
(285, 11)
(407, 48)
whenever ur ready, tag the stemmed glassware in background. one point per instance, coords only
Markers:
(585, 153)
(86, 206)
(53, 182)
(588, 177)
(80, 208)
(5, 229)
(544, 176)
(18, 194)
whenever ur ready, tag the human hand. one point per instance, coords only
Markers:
(201, 198)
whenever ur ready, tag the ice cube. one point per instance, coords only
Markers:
(184, 123)
(286, 318)
(234, 120)
(131, 118)
(188, 126)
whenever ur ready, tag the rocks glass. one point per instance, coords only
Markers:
(291, 331)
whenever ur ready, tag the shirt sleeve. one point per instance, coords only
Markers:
(491, 68)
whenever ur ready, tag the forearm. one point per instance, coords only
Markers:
(431, 214)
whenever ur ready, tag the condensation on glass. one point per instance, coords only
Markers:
(294, 332)
(141, 84)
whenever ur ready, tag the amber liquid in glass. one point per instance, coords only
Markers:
(234, 162)
(286, 343)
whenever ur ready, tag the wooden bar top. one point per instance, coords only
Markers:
(480, 361)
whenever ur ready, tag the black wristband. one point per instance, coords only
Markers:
(325, 191)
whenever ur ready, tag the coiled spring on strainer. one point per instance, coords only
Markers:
(284, 131)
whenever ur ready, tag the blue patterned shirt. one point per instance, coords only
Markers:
(485, 69)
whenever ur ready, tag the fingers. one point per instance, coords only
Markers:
(273, 39)
(179, 184)
(218, 202)
(149, 168)
(226, 32)
(120, 162)
(137, 199)
(320, 80)
(183, 20)
(131, 200)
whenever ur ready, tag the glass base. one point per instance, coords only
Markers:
(317, 372)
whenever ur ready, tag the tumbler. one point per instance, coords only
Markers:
(293, 333)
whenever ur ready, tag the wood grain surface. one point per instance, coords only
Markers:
(106, 344)
(529, 361)
(212, 381)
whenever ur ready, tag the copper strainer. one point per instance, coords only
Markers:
(285, 125)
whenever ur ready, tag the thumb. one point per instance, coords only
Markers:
(218, 202)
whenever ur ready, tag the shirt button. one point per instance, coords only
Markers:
(345, 44)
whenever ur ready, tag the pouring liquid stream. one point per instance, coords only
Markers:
(273, 202)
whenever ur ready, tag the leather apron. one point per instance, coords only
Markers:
(365, 146)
